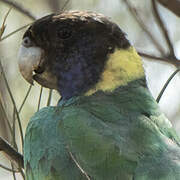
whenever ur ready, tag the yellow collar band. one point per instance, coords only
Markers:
(122, 67)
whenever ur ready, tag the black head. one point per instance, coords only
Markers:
(76, 46)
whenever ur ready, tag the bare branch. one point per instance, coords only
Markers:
(22, 173)
(172, 5)
(40, 96)
(13, 173)
(163, 28)
(13, 102)
(54, 5)
(172, 61)
(65, 5)
(2, 29)
(17, 30)
(166, 84)
(138, 19)
(5, 124)
(77, 164)
(49, 97)
(19, 8)
(11, 152)
(25, 98)
(8, 169)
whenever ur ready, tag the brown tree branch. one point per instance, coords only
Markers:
(49, 97)
(58, 5)
(8, 169)
(172, 61)
(138, 19)
(4, 121)
(65, 5)
(170, 58)
(172, 5)
(54, 5)
(18, 7)
(166, 84)
(17, 30)
(11, 152)
(13, 102)
(163, 28)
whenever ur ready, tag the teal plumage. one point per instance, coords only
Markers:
(119, 135)
(107, 126)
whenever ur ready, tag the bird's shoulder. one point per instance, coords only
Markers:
(98, 132)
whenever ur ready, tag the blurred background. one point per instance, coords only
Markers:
(151, 28)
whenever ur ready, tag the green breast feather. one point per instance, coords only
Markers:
(120, 137)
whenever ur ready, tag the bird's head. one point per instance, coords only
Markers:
(78, 53)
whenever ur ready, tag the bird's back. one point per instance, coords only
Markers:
(120, 135)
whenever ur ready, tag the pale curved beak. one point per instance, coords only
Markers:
(29, 59)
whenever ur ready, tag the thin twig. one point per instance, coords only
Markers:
(22, 173)
(11, 152)
(138, 19)
(25, 98)
(14, 104)
(13, 173)
(6, 118)
(5, 18)
(8, 169)
(2, 29)
(19, 8)
(54, 5)
(163, 28)
(65, 5)
(14, 130)
(40, 96)
(49, 97)
(172, 61)
(77, 164)
(17, 30)
(166, 84)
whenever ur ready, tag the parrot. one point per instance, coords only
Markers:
(106, 125)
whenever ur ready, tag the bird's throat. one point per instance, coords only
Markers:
(122, 67)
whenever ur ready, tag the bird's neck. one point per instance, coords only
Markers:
(132, 98)
(123, 66)
(106, 72)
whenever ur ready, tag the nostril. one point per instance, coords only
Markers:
(39, 70)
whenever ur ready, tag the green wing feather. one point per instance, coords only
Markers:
(119, 136)
(45, 151)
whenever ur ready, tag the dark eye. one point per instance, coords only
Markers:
(64, 33)
(27, 42)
